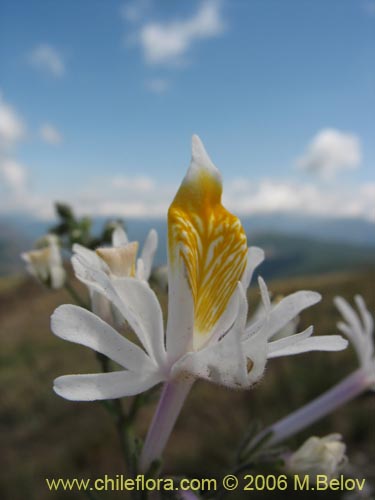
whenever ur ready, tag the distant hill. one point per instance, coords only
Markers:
(294, 245)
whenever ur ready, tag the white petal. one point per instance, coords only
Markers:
(84, 272)
(140, 270)
(135, 306)
(89, 256)
(281, 344)
(199, 156)
(280, 315)
(141, 309)
(96, 386)
(148, 252)
(318, 343)
(119, 237)
(265, 294)
(136, 302)
(179, 336)
(348, 314)
(78, 325)
(57, 277)
(255, 256)
(366, 317)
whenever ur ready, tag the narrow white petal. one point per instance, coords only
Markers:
(255, 256)
(148, 252)
(96, 386)
(318, 343)
(366, 317)
(279, 344)
(265, 294)
(179, 336)
(280, 315)
(78, 325)
(119, 237)
(348, 314)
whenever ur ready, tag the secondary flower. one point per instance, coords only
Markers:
(209, 268)
(359, 329)
(120, 260)
(324, 455)
(45, 263)
(117, 261)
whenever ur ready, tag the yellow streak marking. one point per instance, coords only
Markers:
(212, 244)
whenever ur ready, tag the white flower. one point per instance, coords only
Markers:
(120, 260)
(45, 263)
(324, 455)
(359, 329)
(209, 267)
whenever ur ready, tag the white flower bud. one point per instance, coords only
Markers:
(324, 455)
(45, 263)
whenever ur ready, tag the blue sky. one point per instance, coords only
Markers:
(99, 101)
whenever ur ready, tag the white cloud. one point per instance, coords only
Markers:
(165, 43)
(12, 128)
(48, 59)
(13, 175)
(145, 197)
(49, 134)
(157, 85)
(330, 152)
(269, 196)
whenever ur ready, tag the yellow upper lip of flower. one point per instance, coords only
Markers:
(210, 242)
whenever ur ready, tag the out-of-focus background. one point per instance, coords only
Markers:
(98, 101)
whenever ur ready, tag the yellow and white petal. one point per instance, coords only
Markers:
(207, 254)
(225, 362)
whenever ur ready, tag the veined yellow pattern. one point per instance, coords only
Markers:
(212, 244)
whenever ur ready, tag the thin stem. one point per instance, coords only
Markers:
(344, 391)
(170, 404)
